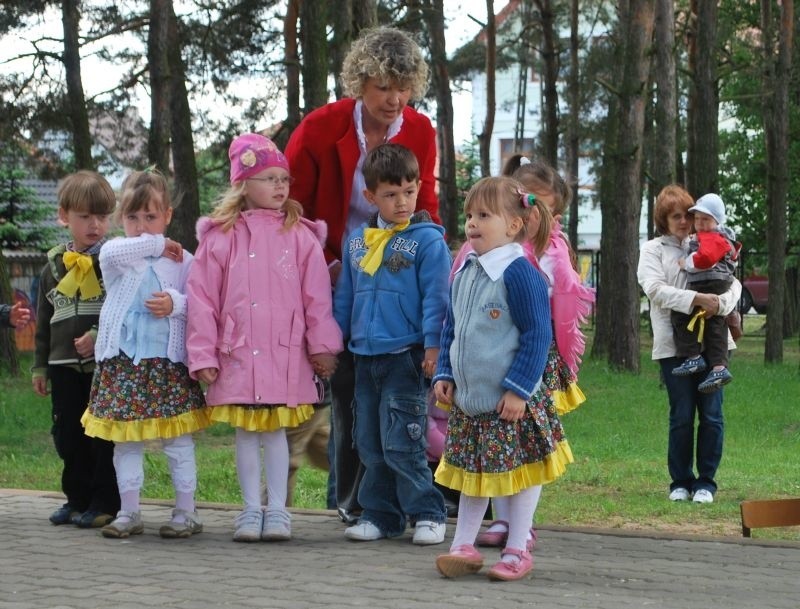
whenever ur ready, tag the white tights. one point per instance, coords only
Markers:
(517, 510)
(276, 466)
(128, 463)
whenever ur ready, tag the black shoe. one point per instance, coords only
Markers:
(66, 514)
(93, 519)
(347, 517)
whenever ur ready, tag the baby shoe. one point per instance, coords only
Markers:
(124, 525)
(248, 525)
(183, 524)
(461, 560)
(512, 570)
(277, 525)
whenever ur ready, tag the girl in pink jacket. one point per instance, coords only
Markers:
(261, 328)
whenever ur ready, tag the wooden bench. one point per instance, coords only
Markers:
(769, 513)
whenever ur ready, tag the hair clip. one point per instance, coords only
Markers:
(528, 199)
(523, 160)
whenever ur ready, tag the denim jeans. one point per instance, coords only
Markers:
(390, 427)
(346, 467)
(684, 401)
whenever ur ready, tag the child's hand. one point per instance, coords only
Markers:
(444, 391)
(324, 364)
(682, 262)
(172, 250)
(19, 316)
(429, 363)
(40, 386)
(207, 375)
(160, 305)
(84, 345)
(511, 407)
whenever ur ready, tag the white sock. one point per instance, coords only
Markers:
(500, 509)
(276, 464)
(248, 467)
(522, 507)
(470, 516)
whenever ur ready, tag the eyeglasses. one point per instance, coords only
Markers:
(275, 180)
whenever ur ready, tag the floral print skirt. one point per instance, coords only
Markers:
(560, 383)
(155, 398)
(486, 456)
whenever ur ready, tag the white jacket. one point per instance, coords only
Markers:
(664, 284)
(124, 261)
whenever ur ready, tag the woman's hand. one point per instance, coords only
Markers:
(708, 302)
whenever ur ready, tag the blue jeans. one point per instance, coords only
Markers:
(684, 401)
(390, 427)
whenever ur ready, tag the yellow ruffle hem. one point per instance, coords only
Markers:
(269, 418)
(147, 429)
(506, 483)
(567, 400)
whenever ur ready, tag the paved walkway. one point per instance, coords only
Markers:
(47, 567)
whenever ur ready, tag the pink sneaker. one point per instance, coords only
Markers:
(493, 539)
(510, 571)
(461, 560)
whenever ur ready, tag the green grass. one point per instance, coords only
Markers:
(618, 437)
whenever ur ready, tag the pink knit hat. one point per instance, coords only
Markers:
(251, 153)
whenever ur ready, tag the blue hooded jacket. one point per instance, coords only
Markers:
(405, 301)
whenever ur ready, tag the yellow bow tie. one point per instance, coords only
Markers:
(80, 276)
(376, 239)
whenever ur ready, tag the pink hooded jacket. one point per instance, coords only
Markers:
(259, 304)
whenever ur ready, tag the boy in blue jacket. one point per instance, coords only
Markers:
(390, 301)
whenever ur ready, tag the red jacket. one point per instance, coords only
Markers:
(323, 153)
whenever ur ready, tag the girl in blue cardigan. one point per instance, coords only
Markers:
(494, 347)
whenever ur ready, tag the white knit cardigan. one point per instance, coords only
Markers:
(123, 262)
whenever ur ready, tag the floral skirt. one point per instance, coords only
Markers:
(258, 417)
(561, 383)
(154, 399)
(486, 456)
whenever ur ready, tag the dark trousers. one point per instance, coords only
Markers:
(715, 333)
(88, 478)
(348, 469)
(689, 409)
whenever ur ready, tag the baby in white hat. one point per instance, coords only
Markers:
(710, 265)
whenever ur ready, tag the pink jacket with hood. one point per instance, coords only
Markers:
(259, 304)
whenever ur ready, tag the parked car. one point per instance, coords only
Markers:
(754, 294)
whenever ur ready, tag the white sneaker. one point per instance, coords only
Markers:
(428, 533)
(364, 530)
(248, 526)
(703, 496)
(679, 494)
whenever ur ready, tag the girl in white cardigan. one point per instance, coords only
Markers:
(142, 389)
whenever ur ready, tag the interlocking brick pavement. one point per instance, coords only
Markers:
(47, 567)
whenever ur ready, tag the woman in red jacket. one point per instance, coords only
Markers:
(381, 73)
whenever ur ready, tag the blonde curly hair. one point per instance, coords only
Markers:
(386, 54)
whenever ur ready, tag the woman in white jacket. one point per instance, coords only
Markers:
(664, 283)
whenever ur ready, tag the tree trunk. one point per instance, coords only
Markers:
(79, 117)
(664, 167)
(618, 298)
(573, 139)
(158, 59)
(349, 18)
(292, 61)
(777, 75)
(549, 56)
(433, 14)
(187, 194)
(485, 136)
(314, 47)
(9, 359)
(703, 111)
